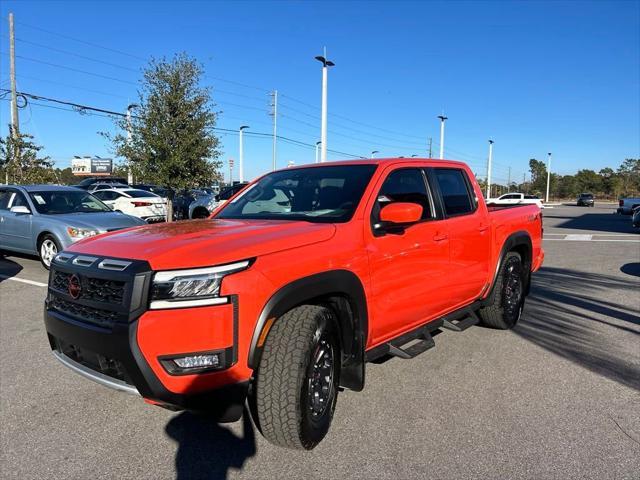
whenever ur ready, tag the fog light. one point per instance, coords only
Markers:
(198, 361)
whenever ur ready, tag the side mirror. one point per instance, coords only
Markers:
(21, 209)
(401, 213)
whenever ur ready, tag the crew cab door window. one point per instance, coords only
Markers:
(404, 185)
(454, 189)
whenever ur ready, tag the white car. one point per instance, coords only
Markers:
(515, 199)
(626, 205)
(139, 203)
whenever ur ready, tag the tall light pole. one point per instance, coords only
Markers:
(129, 136)
(241, 153)
(274, 114)
(442, 120)
(489, 169)
(548, 175)
(373, 153)
(318, 143)
(323, 130)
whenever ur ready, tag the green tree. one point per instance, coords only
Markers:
(538, 176)
(588, 181)
(629, 172)
(20, 160)
(171, 140)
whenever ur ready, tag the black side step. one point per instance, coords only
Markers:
(461, 323)
(394, 347)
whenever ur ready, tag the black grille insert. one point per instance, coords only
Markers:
(93, 289)
(102, 318)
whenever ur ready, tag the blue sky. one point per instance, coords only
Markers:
(536, 77)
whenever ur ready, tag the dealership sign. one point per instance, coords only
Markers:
(91, 166)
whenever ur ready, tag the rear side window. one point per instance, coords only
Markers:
(455, 191)
(406, 185)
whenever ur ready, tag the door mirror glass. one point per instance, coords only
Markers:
(401, 213)
(20, 209)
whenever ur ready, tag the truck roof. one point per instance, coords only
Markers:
(382, 161)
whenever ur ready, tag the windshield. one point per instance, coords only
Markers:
(66, 201)
(315, 194)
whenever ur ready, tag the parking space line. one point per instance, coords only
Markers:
(592, 240)
(23, 280)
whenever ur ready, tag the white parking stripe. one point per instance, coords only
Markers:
(592, 240)
(579, 237)
(23, 280)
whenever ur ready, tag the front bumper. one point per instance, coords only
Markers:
(126, 354)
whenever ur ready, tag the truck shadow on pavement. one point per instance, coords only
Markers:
(8, 268)
(207, 449)
(566, 315)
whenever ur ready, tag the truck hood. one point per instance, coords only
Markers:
(201, 243)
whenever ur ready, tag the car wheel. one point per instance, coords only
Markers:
(200, 213)
(297, 380)
(507, 298)
(47, 249)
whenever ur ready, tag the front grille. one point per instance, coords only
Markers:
(96, 316)
(94, 289)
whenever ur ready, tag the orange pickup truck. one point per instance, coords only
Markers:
(282, 296)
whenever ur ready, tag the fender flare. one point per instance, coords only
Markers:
(521, 239)
(342, 286)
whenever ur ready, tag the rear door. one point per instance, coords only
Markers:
(469, 234)
(409, 269)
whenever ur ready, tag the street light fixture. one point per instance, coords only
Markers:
(374, 152)
(318, 143)
(323, 127)
(241, 153)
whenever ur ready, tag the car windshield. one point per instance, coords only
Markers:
(57, 202)
(314, 194)
(586, 195)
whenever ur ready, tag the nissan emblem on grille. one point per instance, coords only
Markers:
(74, 286)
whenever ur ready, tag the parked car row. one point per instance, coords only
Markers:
(515, 198)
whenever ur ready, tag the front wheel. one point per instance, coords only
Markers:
(48, 248)
(297, 381)
(507, 298)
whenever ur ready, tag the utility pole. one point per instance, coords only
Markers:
(509, 181)
(323, 127)
(274, 114)
(129, 136)
(241, 153)
(442, 120)
(430, 142)
(318, 151)
(15, 122)
(548, 175)
(524, 182)
(489, 169)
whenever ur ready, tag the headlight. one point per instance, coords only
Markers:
(78, 233)
(191, 288)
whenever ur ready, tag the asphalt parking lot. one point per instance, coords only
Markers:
(557, 397)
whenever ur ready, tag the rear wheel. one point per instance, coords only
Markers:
(297, 381)
(47, 249)
(507, 297)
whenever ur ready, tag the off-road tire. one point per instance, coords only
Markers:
(503, 309)
(285, 375)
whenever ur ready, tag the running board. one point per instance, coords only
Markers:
(461, 324)
(395, 346)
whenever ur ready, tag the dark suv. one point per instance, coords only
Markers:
(585, 200)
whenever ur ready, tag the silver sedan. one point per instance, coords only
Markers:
(45, 219)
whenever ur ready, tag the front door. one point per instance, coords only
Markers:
(408, 268)
(16, 227)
